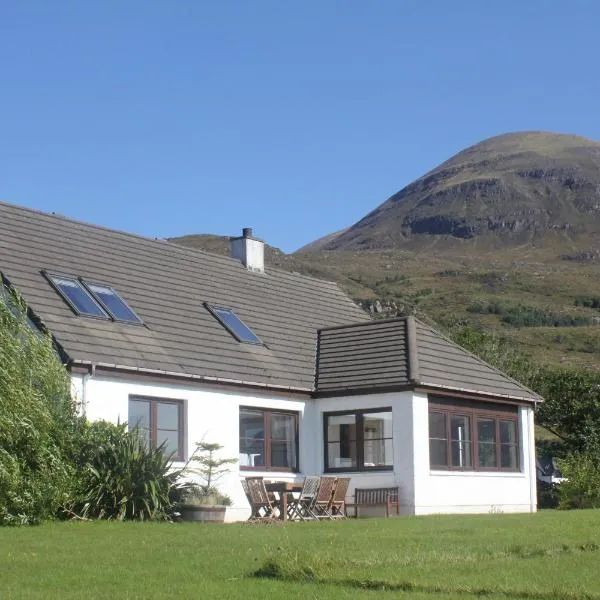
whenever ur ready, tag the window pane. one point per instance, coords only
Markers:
(438, 453)
(508, 456)
(114, 303)
(486, 435)
(139, 414)
(235, 325)
(283, 441)
(508, 432)
(437, 425)
(460, 441)
(377, 425)
(337, 460)
(171, 438)
(283, 427)
(338, 423)
(167, 416)
(283, 454)
(252, 438)
(79, 297)
(486, 430)
(377, 439)
(378, 453)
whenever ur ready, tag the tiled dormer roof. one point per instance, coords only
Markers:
(405, 353)
(167, 285)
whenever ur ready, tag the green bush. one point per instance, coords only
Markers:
(548, 494)
(581, 488)
(519, 315)
(38, 422)
(121, 477)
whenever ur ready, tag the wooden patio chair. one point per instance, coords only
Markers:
(301, 507)
(322, 505)
(338, 503)
(260, 503)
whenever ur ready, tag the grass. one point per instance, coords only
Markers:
(547, 556)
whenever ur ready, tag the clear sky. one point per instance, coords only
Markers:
(294, 118)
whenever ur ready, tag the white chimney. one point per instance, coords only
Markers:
(250, 250)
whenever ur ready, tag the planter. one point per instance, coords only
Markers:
(209, 513)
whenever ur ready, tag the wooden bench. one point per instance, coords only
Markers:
(386, 496)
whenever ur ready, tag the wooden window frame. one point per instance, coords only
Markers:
(154, 402)
(266, 413)
(360, 441)
(475, 410)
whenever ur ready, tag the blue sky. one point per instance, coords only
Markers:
(296, 119)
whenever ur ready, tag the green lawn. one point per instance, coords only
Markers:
(551, 555)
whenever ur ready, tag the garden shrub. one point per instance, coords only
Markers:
(121, 477)
(581, 488)
(38, 422)
(548, 494)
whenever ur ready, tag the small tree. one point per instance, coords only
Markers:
(211, 469)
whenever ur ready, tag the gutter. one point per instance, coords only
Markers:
(185, 376)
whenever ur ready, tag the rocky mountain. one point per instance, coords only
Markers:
(512, 189)
(504, 236)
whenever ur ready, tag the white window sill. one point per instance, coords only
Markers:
(443, 473)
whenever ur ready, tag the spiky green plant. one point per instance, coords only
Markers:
(124, 478)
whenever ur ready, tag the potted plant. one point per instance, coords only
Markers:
(204, 502)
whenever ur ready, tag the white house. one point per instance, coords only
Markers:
(284, 370)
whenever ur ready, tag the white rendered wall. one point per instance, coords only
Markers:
(472, 492)
(210, 414)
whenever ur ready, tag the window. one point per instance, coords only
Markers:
(268, 440)
(359, 440)
(114, 305)
(240, 331)
(473, 435)
(157, 421)
(92, 299)
(77, 297)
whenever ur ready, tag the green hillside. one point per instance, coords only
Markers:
(505, 235)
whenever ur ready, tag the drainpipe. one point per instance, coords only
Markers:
(84, 380)
(532, 463)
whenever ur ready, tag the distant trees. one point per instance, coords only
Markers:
(520, 315)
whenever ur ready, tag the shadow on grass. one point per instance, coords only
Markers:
(298, 567)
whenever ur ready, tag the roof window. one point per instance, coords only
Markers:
(77, 297)
(92, 299)
(112, 303)
(238, 329)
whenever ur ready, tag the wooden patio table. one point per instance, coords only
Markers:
(283, 488)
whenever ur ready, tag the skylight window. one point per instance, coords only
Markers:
(116, 307)
(238, 329)
(77, 297)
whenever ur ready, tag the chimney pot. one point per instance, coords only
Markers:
(247, 232)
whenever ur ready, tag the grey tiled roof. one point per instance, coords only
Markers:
(383, 355)
(166, 285)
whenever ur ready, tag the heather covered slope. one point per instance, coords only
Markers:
(517, 188)
(504, 235)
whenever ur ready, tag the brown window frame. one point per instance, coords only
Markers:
(475, 410)
(154, 402)
(360, 441)
(266, 413)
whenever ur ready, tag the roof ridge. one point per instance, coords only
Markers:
(478, 359)
(186, 250)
